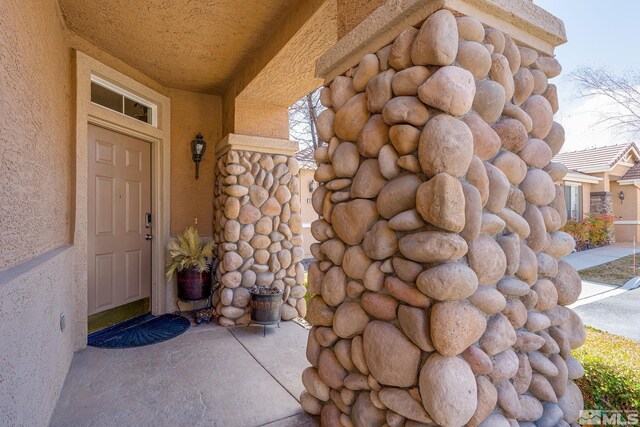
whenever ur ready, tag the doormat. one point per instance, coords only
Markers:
(140, 331)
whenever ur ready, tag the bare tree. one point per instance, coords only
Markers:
(303, 116)
(623, 92)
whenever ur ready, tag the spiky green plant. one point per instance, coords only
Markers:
(188, 252)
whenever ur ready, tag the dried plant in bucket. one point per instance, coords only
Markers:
(189, 258)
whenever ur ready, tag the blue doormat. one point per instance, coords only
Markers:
(140, 331)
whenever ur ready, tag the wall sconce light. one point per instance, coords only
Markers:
(621, 196)
(198, 147)
(312, 186)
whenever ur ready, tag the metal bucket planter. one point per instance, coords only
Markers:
(266, 306)
(194, 285)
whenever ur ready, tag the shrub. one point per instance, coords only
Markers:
(591, 232)
(612, 377)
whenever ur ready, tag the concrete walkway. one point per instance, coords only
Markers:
(210, 376)
(597, 256)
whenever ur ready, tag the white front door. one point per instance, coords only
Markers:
(119, 219)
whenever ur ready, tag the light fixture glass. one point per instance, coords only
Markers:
(198, 147)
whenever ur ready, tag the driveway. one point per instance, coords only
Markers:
(618, 314)
(607, 307)
(592, 291)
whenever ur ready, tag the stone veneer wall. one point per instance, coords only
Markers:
(601, 202)
(440, 294)
(258, 228)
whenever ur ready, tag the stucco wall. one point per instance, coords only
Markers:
(625, 233)
(35, 131)
(190, 198)
(352, 12)
(601, 185)
(625, 210)
(586, 198)
(34, 353)
(260, 119)
(36, 265)
(619, 170)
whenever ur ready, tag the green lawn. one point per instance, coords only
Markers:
(616, 272)
(612, 376)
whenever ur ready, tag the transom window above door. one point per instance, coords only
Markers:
(115, 98)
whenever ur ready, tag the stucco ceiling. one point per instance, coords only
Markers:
(194, 45)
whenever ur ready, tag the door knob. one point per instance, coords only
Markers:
(148, 237)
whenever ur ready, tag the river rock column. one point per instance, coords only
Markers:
(440, 293)
(257, 225)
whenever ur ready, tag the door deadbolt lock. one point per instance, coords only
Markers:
(147, 220)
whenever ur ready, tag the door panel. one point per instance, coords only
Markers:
(104, 276)
(133, 208)
(104, 206)
(133, 272)
(119, 195)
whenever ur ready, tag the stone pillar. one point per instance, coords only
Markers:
(257, 225)
(440, 293)
(602, 203)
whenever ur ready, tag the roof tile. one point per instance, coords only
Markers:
(599, 157)
(633, 173)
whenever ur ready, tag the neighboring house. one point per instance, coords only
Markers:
(605, 180)
(307, 185)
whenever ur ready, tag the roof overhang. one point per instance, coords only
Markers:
(581, 177)
(635, 182)
(597, 169)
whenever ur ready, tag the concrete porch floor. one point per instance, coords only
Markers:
(209, 375)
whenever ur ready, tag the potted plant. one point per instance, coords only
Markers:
(189, 260)
(266, 304)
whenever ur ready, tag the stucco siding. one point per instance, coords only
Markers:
(601, 185)
(626, 209)
(34, 353)
(619, 170)
(35, 130)
(190, 198)
(626, 232)
(586, 199)
(36, 262)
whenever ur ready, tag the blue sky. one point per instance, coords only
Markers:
(600, 34)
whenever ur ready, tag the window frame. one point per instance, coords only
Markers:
(579, 213)
(126, 94)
